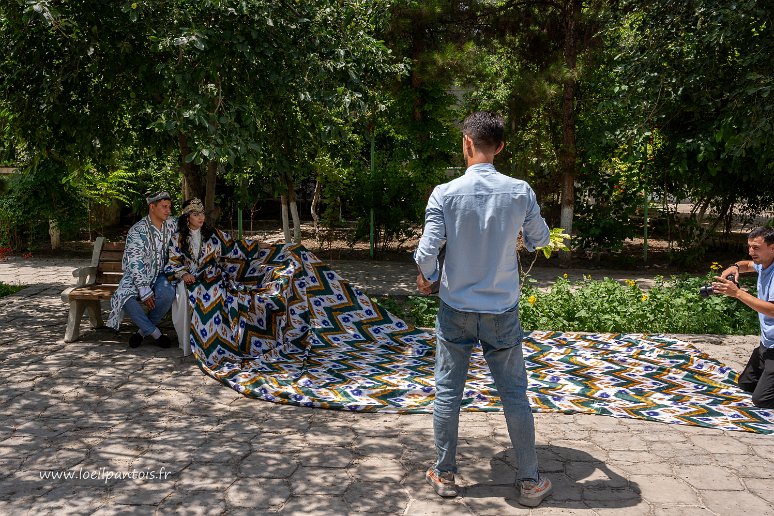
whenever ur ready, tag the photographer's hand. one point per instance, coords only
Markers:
(726, 287)
(733, 269)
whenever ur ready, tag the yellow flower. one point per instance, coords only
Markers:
(532, 299)
(565, 275)
(630, 282)
(716, 266)
(644, 297)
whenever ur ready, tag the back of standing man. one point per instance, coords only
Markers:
(479, 216)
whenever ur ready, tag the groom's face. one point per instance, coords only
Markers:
(161, 209)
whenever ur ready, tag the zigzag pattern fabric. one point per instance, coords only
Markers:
(279, 325)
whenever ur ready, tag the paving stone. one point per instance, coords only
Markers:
(315, 504)
(379, 446)
(194, 503)
(682, 510)
(438, 507)
(267, 465)
(207, 476)
(720, 444)
(495, 472)
(732, 502)
(622, 508)
(710, 477)
(551, 507)
(222, 450)
(659, 489)
(644, 468)
(493, 500)
(750, 466)
(376, 469)
(592, 475)
(578, 451)
(376, 497)
(321, 481)
(327, 457)
(264, 493)
(330, 436)
(66, 500)
(761, 488)
(565, 489)
(682, 453)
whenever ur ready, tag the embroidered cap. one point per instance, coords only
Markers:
(194, 205)
(157, 196)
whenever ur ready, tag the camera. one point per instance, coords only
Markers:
(706, 290)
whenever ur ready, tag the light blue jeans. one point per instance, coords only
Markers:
(500, 336)
(164, 293)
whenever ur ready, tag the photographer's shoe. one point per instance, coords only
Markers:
(135, 340)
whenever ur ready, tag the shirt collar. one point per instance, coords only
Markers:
(482, 168)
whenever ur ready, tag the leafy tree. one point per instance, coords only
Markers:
(223, 84)
(698, 76)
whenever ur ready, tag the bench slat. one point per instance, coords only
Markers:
(113, 246)
(111, 256)
(109, 267)
(108, 278)
(93, 292)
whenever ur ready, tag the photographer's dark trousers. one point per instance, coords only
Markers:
(758, 377)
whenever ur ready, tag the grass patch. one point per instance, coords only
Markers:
(672, 305)
(7, 290)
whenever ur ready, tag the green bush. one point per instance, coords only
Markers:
(671, 306)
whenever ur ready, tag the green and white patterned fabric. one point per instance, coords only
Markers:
(279, 325)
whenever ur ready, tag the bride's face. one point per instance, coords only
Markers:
(195, 220)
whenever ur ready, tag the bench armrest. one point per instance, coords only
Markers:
(85, 275)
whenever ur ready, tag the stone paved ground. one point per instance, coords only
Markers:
(95, 407)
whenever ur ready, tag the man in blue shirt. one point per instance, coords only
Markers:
(758, 375)
(478, 216)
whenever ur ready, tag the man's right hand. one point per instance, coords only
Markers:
(150, 302)
(424, 286)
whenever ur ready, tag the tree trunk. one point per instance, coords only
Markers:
(285, 221)
(315, 207)
(296, 222)
(568, 154)
(210, 211)
(192, 183)
(53, 232)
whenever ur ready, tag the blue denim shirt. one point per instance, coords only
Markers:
(479, 216)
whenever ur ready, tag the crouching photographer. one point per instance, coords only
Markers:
(758, 375)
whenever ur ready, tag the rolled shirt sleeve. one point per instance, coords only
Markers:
(433, 237)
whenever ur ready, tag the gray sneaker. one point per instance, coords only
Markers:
(443, 483)
(532, 493)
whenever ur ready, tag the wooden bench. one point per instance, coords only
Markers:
(95, 283)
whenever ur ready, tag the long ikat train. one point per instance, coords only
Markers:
(279, 325)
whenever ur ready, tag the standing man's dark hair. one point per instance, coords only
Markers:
(479, 216)
(758, 375)
(485, 128)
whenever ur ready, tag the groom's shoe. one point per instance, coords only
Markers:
(163, 341)
(135, 340)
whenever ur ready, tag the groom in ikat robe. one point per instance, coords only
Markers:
(144, 292)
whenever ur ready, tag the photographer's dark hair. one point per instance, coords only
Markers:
(485, 128)
(766, 233)
(185, 232)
